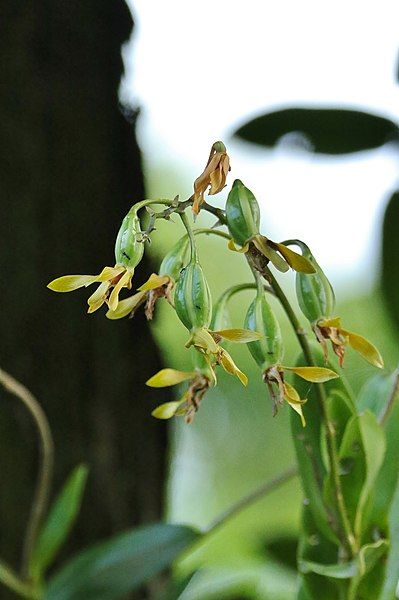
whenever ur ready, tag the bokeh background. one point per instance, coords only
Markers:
(193, 73)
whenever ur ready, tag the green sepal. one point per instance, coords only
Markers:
(314, 292)
(242, 213)
(175, 259)
(129, 247)
(269, 349)
(192, 298)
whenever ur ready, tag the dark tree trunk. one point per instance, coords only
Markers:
(70, 171)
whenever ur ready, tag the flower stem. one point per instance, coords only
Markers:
(12, 581)
(347, 537)
(193, 247)
(44, 478)
(252, 497)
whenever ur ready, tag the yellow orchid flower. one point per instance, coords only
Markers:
(214, 175)
(111, 278)
(281, 391)
(207, 343)
(331, 329)
(263, 250)
(157, 286)
(200, 380)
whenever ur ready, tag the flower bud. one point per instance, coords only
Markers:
(192, 299)
(242, 213)
(268, 350)
(175, 259)
(129, 248)
(314, 292)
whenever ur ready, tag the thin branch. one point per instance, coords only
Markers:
(44, 478)
(254, 496)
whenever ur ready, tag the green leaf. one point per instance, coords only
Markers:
(361, 455)
(326, 130)
(390, 253)
(366, 560)
(392, 567)
(316, 548)
(376, 393)
(12, 582)
(59, 522)
(336, 571)
(307, 439)
(113, 568)
(374, 447)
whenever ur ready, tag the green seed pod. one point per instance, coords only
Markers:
(314, 292)
(192, 298)
(128, 250)
(175, 259)
(242, 213)
(269, 350)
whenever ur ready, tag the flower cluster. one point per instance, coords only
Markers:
(181, 281)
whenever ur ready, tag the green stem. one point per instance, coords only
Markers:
(347, 537)
(44, 478)
(208, 231)
(12, 581)
(243, 503)
(193, 247)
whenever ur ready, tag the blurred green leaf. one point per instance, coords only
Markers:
(390, 258)
(336, 571)
(251, 581)
(59, 522)
(374, 445)
(12, 581)
(367, 558)
(314, 547)
(392, 567)
(113, 568)
(361, 455)
(376, 393)
(328, 130)
(309, 452)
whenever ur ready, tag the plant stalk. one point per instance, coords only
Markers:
(46, 460)
(347, 536)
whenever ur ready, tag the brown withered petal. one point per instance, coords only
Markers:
(213, 176)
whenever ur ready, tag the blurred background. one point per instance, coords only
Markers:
(192, 73)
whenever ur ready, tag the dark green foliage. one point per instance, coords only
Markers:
(109, 570)
(327, 130)
(390, 258)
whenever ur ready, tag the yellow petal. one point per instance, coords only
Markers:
(261, 243)
(334, 322)
(241, 336)
(68, 283)
(365, 348)
(167, 377)
(295, 260)
(154, 281)
(292, 397)
(230, 367)
(109, 273)
(123, 282)
(201, 338)
(126, 306)
(231, 246)
(97, 299)
(166, 410)
(315, 374)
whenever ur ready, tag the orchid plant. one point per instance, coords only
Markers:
(349, 546)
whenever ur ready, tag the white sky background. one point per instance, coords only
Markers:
(198, 69)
